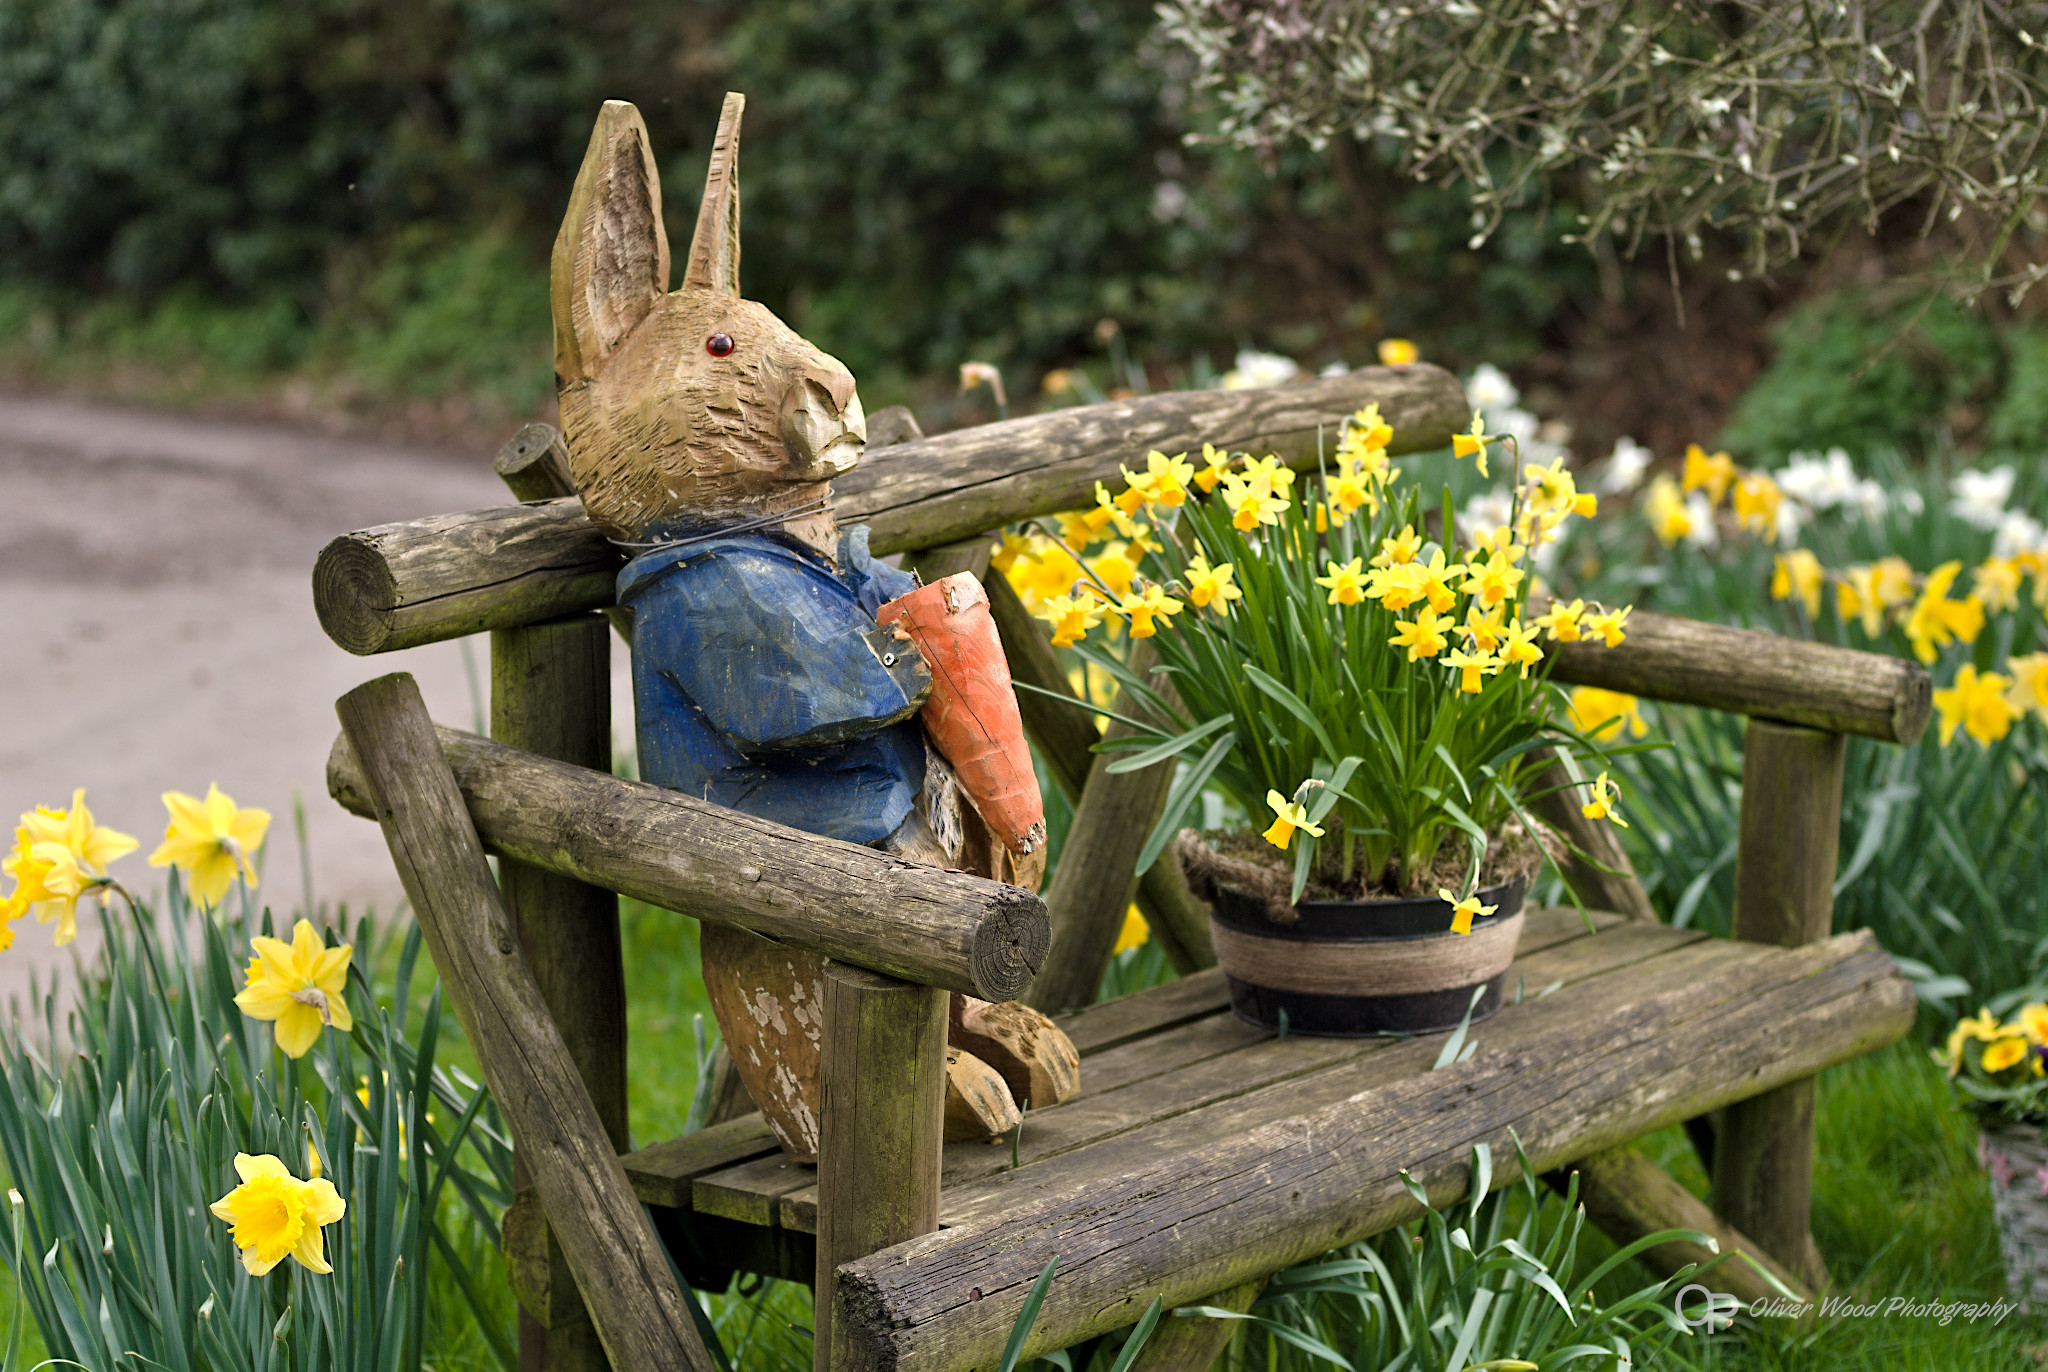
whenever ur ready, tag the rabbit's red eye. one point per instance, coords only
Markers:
(719, 344)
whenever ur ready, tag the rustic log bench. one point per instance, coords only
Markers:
(1202, 1154)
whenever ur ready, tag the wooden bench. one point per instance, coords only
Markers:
(1202, 1154)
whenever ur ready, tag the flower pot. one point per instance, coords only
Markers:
(2017, 1161)
(1353, 969)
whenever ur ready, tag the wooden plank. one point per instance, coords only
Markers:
(849, 903)
(551, 695)
(1748, 672)
(1098, 865)
(1118, 1021)
(750, 1191)
(1784, 895)
(661, 1173)
(1209, 1062)
(610, 1247)
(1630, 1197)
(1339, 1078)
(401, 585)
(882, 1118)
(1578, 1078)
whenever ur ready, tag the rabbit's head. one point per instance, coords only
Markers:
(689, 407)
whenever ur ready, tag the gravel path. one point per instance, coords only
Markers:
(157, 631)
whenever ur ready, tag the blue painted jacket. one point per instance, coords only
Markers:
(761, 681)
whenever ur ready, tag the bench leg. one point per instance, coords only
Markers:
(881, 1128)
(1193, 1345)
(551, 694)
(1784, 894)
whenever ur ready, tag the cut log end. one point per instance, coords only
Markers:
(353, 594)
(1010, 946)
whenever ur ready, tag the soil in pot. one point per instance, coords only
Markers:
(1367, 965)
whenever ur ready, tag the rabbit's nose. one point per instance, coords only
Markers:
(838, 383)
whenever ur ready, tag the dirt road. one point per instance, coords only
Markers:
(157, 629)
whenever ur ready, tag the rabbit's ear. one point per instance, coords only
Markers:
(715, 248)
(611, 257)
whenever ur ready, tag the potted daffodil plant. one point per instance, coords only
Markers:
(1334, 659)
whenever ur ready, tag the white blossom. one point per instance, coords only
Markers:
(1625, 467)
(2018, 533)
(1979, 497)
(1256, 369)
(1820, 483)
(1489, 390)
(1488, 511)
(1702, 534)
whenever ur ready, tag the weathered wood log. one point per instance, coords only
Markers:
(1614, 888)
(401, 585)
(1628, 1197)
(1748, 672)
(535, 464)
(550, 694)
(852, 904)
(769, 999)
(1097, 873)
(1193, 1343)
(1226, 1205)
(883, 1096)
(978, 1101)
(1784, 894)
(1065, 735)
(610, 1247)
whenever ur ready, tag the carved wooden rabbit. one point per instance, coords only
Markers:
(703, 434)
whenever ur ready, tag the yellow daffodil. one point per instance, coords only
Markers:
(2004, 1053)
(1291, 817)
(1439, 581)
(1995, 582)
(2029, 684)
(1422, 636)
(2032, 1020)
(1134, 934)
(1251, 503)
(1396, 587)
(1397, 352)
(1563, 621)
(1976, 704)
(1080, 528)
(208, 840)
(1484, 628)
(1552, 489)
(1146, 608)
(1470, 668)
(1857, 597)
(1500, 542)
(1935, 621)
(299, 985)
(1596, 712)
(1518, 646)
(276, 1215)
(1711, 474)
(1116, 567)
(1400, 549)
(1277, 475)
(61, 856)
(1463, 912)
(1368, 429)
(1345, 583)
(1210, 586)
(1072, 617)
(1215, 463)
(1494, 582)
(1167, 478)
(1009, 548)
(1670, 517)
(1798, 573)
(1473, 442)
(1348, 493)
(1757, 499)
(1607, 625)
(1601, 806)
(1982, 1026)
